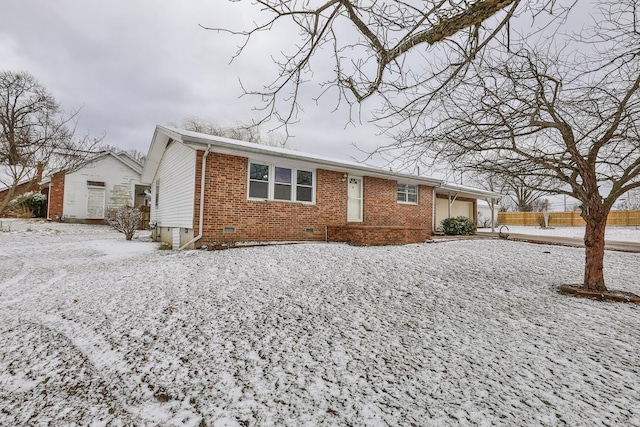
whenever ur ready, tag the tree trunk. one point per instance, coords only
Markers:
(594, 251)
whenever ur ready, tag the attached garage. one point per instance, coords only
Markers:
(451, 209)
(453, 201)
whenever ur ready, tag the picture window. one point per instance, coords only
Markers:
(271, 182)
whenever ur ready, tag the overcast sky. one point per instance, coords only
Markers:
(133, 64)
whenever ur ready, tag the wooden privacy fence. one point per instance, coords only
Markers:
(566, 219)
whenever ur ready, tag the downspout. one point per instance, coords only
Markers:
(49, 201)
(433, 210)
(201, 218)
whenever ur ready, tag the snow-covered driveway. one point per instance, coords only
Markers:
(95, 331)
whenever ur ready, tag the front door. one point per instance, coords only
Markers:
(354, 203)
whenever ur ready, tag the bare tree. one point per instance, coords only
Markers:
(381, 47)
(570, 119)
(630, 201)
(34, 131)
(249, 132)
(527, 191)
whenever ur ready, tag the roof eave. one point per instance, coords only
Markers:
(335, 165)
(450, 189)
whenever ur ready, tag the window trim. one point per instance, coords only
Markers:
(272, 182)
(406, 193)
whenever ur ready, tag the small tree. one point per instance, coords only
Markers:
(126, 220)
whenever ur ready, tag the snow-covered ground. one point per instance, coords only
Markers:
(621, 234)
(95, 330)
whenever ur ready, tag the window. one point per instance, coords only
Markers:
(407, 193)
(157, 192)
(280, 183)
(304, 187)
(258, 181)
(282, 187)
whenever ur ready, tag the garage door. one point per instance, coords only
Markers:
(458, 208)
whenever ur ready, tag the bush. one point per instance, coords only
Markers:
(459, 226)
(126, 220)
(32, 204)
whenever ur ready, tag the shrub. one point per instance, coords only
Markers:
(459, 226)
(126, 220)
(32, 204)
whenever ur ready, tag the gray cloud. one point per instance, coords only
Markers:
(132, 65)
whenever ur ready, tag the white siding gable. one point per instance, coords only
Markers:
(81, 199)
(175, 180)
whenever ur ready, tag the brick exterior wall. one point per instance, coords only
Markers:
(25, 187)
(226, 205)
(56, 196)
(381, 235)
(385, 221)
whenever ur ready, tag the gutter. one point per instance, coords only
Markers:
(235, 147)
(201, 218)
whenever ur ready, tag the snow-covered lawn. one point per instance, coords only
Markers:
(621, 234)
(95, 330)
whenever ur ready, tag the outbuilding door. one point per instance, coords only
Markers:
(354, 203)
(95, 203)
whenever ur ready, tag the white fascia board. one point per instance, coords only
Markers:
(469, 192)
(132, 163)
(161, 138)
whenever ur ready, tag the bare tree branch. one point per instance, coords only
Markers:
(378, 46)
(35, 133)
